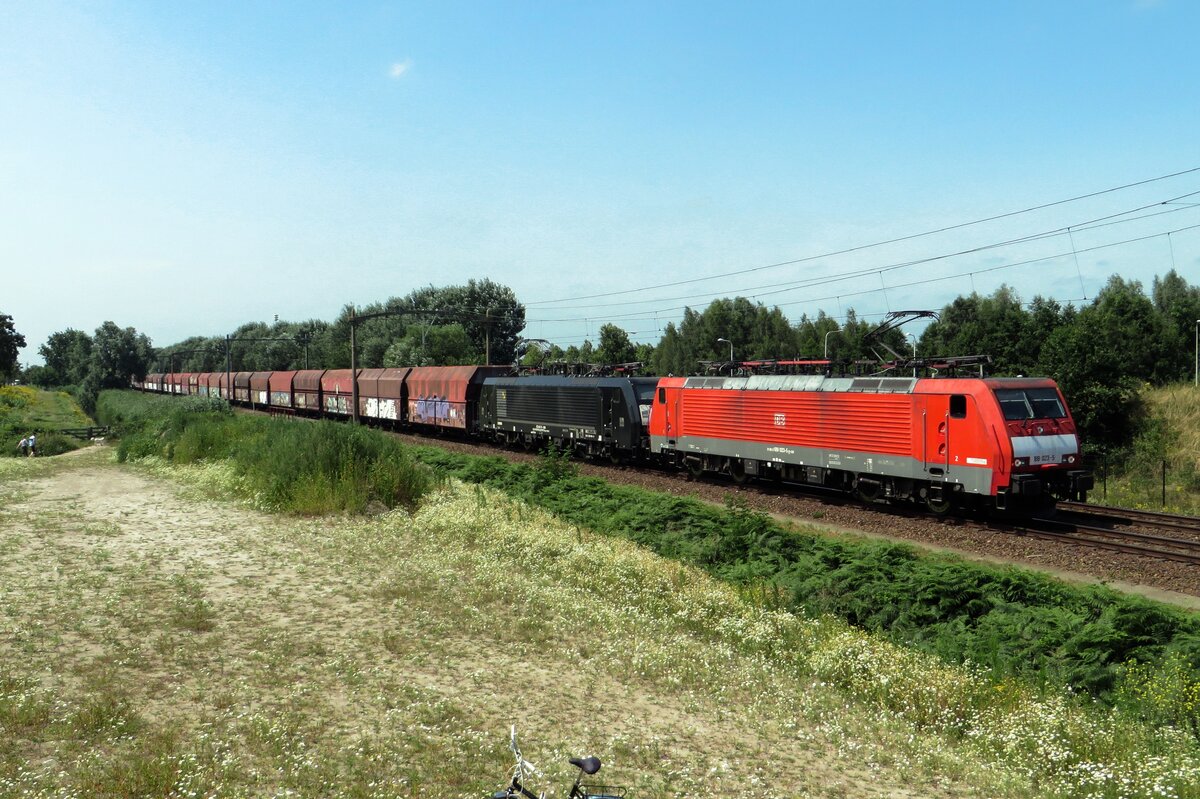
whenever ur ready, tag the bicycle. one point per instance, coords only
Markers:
(587, 767)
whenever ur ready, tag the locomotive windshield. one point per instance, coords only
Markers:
(644, 389)
(1030, 403)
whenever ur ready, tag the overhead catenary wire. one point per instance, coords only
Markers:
(871, 245)
(653, 316)
(641, 314)
(1087, 225)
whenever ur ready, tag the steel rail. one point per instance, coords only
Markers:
(1149, 518)
(1115, 540)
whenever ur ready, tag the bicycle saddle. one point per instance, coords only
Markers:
(590, 765)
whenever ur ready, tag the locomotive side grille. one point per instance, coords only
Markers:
(826, 420)
(549, 405)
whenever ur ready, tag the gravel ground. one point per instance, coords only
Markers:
(1168, 581)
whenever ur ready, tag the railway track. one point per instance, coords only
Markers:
(1130, 542)
(1129, 516)
(1079, 533)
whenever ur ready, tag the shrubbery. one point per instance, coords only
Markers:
(308, 468)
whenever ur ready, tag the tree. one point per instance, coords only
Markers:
(10, 342)
(671, 356)
(443, 345)
(1179, 304)
(118, 355)
(491, 316)
(68, 354)
(615, 346)
(997, 326)
(816, 337)
(40, 376)
(488, 313)
(1102, 357)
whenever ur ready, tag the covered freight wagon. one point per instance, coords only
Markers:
(337, 392)
(447, 396)
(381, 393)
(306, 390)
(279, 388)
(241, 386)
(260, 388)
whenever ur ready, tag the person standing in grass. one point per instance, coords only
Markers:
(32, 444)
(24, 446)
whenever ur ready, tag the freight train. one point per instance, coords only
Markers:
(941, 442)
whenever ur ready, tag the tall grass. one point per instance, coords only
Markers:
(1170, 437)
(299, 467)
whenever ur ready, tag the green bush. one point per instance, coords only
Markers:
(301, 467)
(56, 444)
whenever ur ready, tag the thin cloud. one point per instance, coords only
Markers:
(400, 69)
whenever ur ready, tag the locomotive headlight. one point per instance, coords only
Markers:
(1020, 462)
(1070, 459)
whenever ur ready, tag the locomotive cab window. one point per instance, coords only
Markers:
(662, 396)
(1030, 403)
(958, 406)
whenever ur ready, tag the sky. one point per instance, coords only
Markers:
(187, 168)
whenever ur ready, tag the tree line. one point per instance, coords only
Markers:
(1101, 354)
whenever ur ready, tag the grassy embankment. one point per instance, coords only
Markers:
(25, 410)
(479, 591)
(1172, 436)
(1015, 623)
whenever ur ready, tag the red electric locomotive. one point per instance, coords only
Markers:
(996, 442)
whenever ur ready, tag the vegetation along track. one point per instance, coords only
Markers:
(1071, 556)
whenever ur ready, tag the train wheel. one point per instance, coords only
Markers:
(695, 468)
(868, 491)
(940, 506)
(737, 470)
